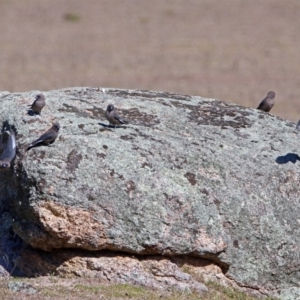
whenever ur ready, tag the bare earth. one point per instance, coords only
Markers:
(232, 50)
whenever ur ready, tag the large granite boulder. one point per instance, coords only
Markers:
(189, 177)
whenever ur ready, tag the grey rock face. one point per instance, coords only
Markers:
(187, 176)
(21, 287)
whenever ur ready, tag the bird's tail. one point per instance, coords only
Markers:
(34, 143)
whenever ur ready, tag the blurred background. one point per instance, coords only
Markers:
(232, 50)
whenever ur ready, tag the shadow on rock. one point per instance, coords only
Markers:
(290, 157)
(31, 113)
(111, 126)
(149, 271)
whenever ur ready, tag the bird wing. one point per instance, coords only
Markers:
(298, 125)
(48, 135)
(32, 103)
(9, 151)
(118, 118)
(261, 104)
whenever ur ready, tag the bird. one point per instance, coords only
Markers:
(9, 151)
(46, 138)
(113, 117)
(38, 104)
(267, 103)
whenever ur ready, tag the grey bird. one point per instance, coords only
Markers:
(46, 138)
(113, 117)
(38, 104)
(267, 103)
(9, 151)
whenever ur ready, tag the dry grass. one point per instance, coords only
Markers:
(78, 289)
(233, 50)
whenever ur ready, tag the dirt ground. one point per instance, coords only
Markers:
(232, 50)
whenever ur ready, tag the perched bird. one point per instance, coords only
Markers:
(38, 104)
(113, 117)
(267, 103)
(47, 138)
(9, 151)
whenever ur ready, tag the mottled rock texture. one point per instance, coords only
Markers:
(188, 177)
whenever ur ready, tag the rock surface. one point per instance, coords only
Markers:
(188, 177)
